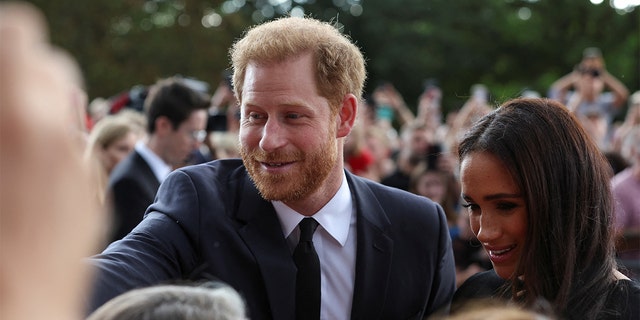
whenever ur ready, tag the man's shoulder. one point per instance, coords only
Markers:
(223, 172)
(133, 166)
(217, 168)
(129, 164)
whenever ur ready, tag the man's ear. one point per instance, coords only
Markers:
(163, 126)
(347, 115)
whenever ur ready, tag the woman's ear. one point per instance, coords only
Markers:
(347, 115)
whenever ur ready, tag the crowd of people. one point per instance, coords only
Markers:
(531, 202)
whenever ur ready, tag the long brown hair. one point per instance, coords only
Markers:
(569, 255)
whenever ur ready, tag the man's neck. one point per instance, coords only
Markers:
(151, 141)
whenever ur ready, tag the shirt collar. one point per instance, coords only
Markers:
(334, 217)
(160, 168)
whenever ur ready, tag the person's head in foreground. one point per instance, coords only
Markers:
(174, 302)
(483, 309)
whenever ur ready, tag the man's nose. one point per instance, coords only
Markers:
(273, 135)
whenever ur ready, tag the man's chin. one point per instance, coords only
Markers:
(279, 194)
(269, 187)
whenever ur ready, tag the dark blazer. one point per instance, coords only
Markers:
(209, 222)
(623, 302)
(132, 188)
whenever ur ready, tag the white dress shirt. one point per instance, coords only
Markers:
(160, 168)
(335, 242)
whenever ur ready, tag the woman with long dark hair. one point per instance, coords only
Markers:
(537, 193)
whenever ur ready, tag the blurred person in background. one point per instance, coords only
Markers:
(429, 109)
(98, 108)
(390, 107)
(441, 187)
(631, 121)
(382, 148)
(626, 190)
(476, 106)
(176, 119)
(593, 94)
(224, 145)
(358, 158)
(224, 112)
(377, 144)
(110, 141)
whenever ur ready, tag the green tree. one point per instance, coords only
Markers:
(508, 45)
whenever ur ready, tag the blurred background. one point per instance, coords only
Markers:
(508, 45)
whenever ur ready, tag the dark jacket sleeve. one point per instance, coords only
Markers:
(159, 250)
(445, 283)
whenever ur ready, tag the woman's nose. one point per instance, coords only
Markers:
(489, 230)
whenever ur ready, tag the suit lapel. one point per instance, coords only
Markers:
(262, 234)
(143, 169)
(374, 251)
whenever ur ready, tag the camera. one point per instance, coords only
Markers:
(592, 72)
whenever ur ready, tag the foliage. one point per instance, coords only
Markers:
(508, 45)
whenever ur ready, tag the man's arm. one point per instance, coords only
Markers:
(153, 253)
(619, 90)
(159, 250)
(560, 87)
(444, 284)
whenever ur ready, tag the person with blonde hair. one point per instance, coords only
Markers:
(110, 141)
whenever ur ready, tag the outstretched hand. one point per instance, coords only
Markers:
(49, 216)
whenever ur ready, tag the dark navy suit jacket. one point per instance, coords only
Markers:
(132, 188)
(209, 222)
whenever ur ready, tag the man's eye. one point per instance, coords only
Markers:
(293, 115)
(255, 116)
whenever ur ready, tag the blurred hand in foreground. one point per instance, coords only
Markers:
(49, 217)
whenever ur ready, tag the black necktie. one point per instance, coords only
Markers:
(308, 276)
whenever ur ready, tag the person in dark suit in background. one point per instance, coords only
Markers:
(383, 253)
(176, 118)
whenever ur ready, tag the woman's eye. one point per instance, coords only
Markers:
(506, 206)
(470, 206)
